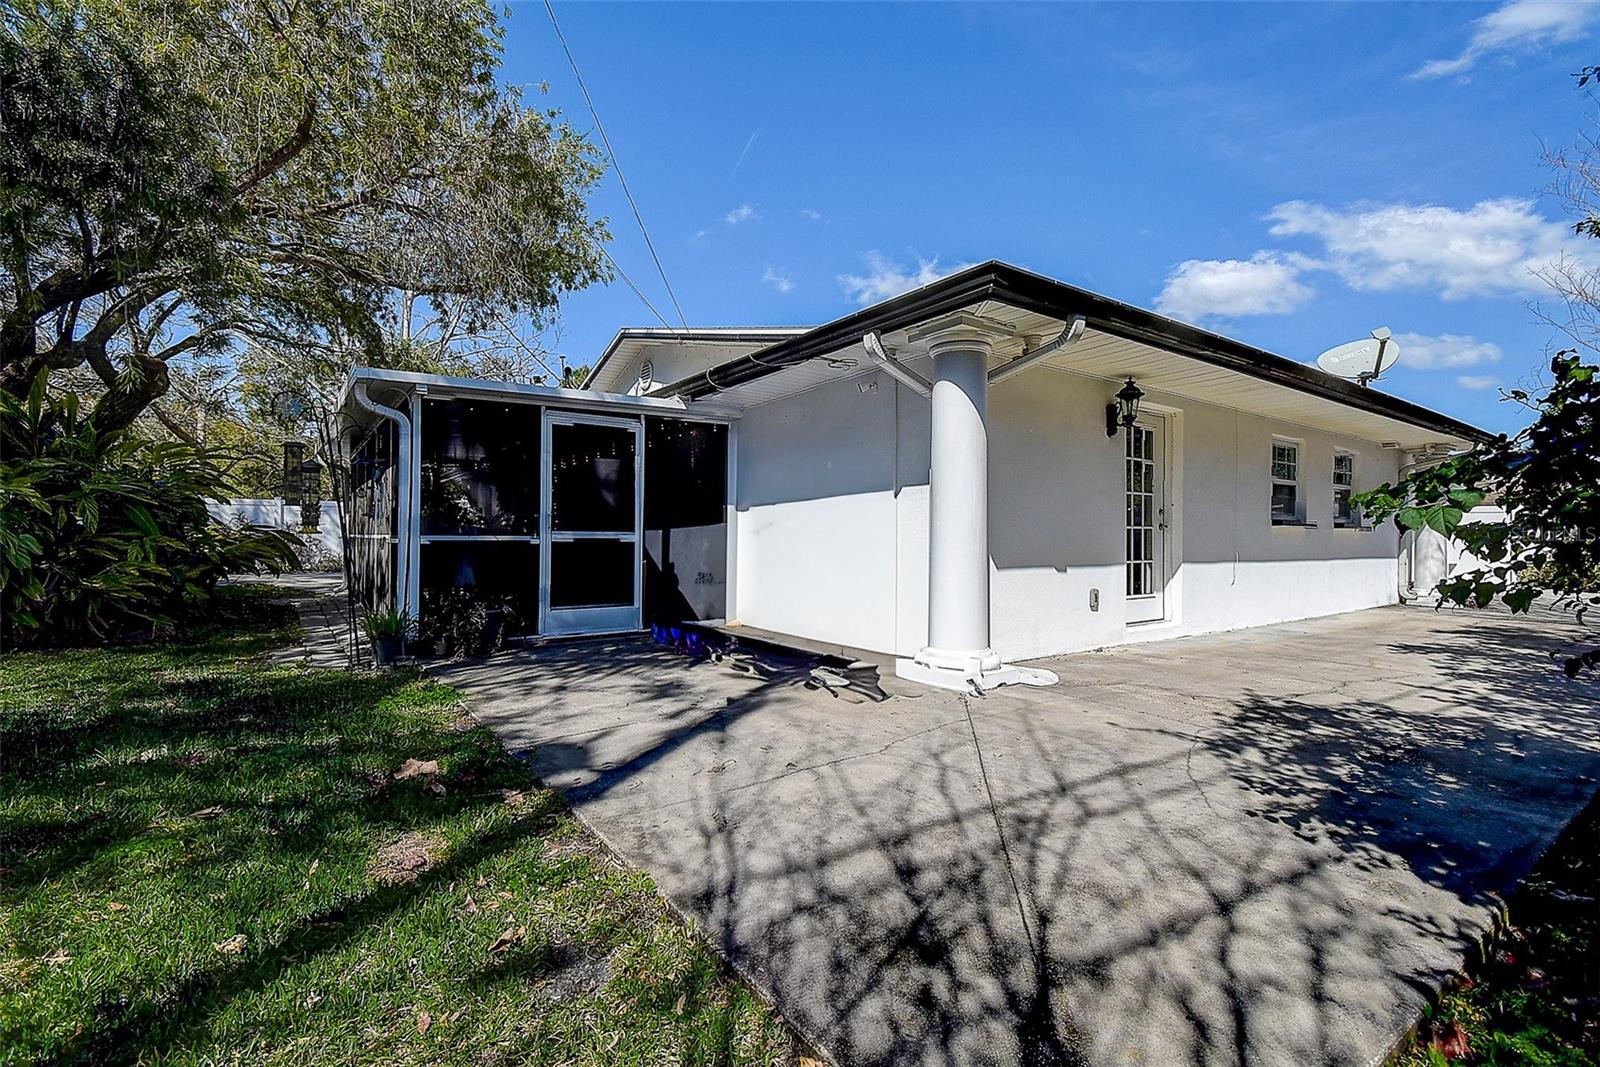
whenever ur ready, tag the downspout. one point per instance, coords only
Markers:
(404, 502)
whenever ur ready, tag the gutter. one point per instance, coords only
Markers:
(1027, 291)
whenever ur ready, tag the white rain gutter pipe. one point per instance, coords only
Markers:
(1067, 336)
(894, 368)
(405, 504)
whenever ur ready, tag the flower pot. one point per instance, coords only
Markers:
(386, 650)
(494, 624)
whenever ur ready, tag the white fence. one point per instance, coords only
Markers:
(323, 546)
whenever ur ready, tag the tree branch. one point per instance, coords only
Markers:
(280, 158)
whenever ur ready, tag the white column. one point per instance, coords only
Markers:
(958, 655)
(958, 510)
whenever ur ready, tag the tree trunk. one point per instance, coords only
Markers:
(145, 382)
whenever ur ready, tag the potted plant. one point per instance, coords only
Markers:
(386, 630)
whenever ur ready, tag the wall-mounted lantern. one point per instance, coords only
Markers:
(1124, 410)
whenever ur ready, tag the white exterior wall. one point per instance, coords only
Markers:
(816, 540)
(1056, 521)
(832, 519)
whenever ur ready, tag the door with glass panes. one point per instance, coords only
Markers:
(1145, 503)
(591, 524)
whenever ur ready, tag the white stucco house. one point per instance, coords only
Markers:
(954, 477)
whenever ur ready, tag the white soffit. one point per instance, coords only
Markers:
(1112, 359)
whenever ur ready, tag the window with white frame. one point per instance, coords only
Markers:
(1344, 487)
(1286, 482)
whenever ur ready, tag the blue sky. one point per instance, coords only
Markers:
(1291, 175)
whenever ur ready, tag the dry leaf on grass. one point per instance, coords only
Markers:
(416, 768)
(116, 906)
(424, 1020)
(513, 936)
(207, 813)
(683, 1000)
(233, 945)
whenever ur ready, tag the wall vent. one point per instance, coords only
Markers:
(647, 376)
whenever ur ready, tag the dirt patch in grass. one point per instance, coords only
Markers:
(1536, 998)
(405, 858)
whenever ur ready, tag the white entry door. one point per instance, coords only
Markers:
(590, 524)
(1145, 473)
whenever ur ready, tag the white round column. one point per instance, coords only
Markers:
(958, 511)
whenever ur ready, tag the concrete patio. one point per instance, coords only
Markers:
(1267, 846)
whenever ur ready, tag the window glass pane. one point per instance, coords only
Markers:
(1344, 468)
(1283, 502)
(480, 468)
(1343, 513)
(592, 573)
(591, 478)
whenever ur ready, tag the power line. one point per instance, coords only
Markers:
(629, 281)
(621, 180)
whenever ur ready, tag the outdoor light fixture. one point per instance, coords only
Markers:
(1124, 410)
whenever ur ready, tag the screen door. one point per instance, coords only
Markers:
(1146, 504)
(591, 522)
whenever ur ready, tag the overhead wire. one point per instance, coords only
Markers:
(621, 180)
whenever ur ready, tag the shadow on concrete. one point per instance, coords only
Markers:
(1266, 847)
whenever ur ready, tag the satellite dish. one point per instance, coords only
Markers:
(1362, 361)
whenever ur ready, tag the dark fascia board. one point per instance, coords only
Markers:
(1023, 289)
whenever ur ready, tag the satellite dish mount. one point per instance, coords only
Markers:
(1363, 361)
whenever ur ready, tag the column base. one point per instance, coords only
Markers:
(968, 672)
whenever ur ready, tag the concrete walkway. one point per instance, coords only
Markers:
(1265, 847)
(318, 600)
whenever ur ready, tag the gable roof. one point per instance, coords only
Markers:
(633, 339)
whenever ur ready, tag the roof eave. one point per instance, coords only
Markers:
(1046, 296)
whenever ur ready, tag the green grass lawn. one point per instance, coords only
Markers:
(207, 859)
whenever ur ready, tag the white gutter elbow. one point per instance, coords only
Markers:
(1067, 336)
(894, 368)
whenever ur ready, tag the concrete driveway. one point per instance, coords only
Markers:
(1264, 847)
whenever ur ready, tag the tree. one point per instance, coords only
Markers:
(183, 179)
(1546, 479)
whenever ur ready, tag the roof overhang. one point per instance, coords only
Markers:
(631, 340)
(444, 385)
(1121, 340)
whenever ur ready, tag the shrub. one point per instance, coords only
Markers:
(106, 534)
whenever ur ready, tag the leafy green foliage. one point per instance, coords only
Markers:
(178, 179)
(102, 531)
(211, 860)
(1546, 479)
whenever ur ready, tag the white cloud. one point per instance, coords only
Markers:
(1445, 351)
(742, 213)
(885, 278)
(779, 280)
(700, 235)
(1265, 284)
(1477, 381)
(1520, 24)
(810, 213)
(1495, 247)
